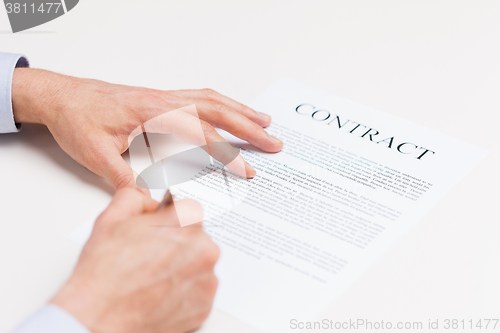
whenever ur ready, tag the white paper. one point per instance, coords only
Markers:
(321, 211)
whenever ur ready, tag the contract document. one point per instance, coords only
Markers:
(349, 182)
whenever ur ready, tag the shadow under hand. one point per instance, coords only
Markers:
(247, 146)
(40, 138)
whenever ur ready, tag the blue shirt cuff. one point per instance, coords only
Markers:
(8, 62)
(51, 319)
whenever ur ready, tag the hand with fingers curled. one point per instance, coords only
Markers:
(133, 276)
(93, 121)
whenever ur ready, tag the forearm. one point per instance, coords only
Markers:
(34, 95)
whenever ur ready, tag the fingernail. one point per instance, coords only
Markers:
(276, 140)
(264, 116)
(250, 171)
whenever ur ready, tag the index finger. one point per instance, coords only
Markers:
(181, 213)
(126, 203)
(260, 118)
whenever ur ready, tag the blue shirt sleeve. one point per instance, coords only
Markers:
(51, 319)
(8, 62)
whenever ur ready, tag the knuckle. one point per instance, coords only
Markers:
(211, 252)
(207, 128)
(220, 108)
(122, 180)
(210, 93)
(221, 112)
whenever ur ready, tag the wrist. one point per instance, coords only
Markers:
(76, 299)
(34, 95)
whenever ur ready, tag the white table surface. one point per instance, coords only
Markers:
(436, 63)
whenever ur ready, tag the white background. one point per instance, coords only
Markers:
(435, 63)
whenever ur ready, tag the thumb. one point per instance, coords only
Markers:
(119, 174)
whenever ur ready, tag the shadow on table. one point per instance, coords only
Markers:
(39, 137)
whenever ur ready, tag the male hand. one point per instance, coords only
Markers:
(92, 120)
(134, 276)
